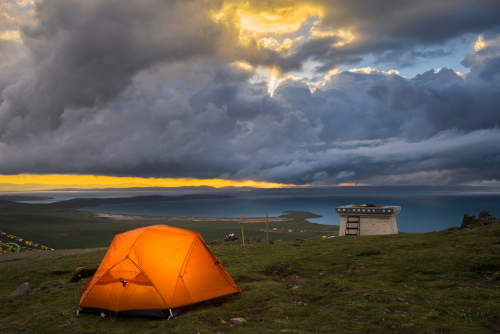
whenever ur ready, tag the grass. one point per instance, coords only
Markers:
(441, 282)
(67, 229)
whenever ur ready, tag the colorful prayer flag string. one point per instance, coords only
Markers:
(11, 247)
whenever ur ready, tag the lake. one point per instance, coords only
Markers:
(423, 209)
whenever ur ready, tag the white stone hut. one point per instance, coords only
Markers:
(367, 220)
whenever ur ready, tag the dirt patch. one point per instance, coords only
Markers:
(207, 321)
(276, 269)
(438, 331)
(369, 253)
(51, 284)
(8, 259)
(495, 328)
(60, 272)
(298, 279)
(244, 279)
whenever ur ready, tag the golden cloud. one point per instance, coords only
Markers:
(261, 17)
(346, 36)
(30, 182)
(480, 44)
(10, 35)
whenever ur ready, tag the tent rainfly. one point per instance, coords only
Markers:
(155, 271)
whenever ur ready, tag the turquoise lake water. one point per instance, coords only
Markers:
(422, 210)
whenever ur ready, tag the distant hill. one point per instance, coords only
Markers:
(78, 203)
(14, 198)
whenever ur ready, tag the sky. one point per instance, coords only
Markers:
(265, 93)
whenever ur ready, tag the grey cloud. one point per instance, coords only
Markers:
(399, 32)
(153, 97)
(425, 21)
(345, 174)
(346, 131)
(87, 52)
(396, 93)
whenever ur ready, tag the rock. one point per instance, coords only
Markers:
(59, 272)
(485, 215)
(299, 240)
(81, 272)
(51, 284)
(231, 237)
(216, 242)
(247, 241)
(294, 287)
(470, 222)
(486, 218)
(366, 294)
(271, 241)
(237, 320)
(257, 239)
(24, 289)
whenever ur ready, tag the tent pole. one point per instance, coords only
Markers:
(242, 235)
(267, 228)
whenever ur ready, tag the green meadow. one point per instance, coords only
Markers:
(61, 228)
(441, 282)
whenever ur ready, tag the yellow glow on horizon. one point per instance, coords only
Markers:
(30, 182)
(352, 184)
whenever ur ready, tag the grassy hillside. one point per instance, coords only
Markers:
(77, 203)
(441, 282)
(66, 228)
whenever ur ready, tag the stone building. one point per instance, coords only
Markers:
(367, 220)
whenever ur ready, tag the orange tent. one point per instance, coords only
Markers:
(154, 271)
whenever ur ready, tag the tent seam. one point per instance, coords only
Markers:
(140, 235)
(106, 272)
(233, 284)
(126, 257)
(188, 255)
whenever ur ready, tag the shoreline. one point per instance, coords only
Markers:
(113, 216)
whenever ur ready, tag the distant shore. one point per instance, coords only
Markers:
(137, 217)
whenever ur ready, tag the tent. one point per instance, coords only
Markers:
(155, 271)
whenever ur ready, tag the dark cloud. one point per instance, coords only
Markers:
(153, 89)
(355, 127)
(87, 53)
(396, 32)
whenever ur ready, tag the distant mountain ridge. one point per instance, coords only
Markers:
(78, 203)
(14, 198)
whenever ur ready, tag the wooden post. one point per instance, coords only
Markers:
(267, 228)
(242, 234)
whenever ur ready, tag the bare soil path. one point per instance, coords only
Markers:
(13, 258)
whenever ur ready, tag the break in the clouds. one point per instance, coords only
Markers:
(204, 89)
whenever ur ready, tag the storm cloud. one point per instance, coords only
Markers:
(171, 89)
